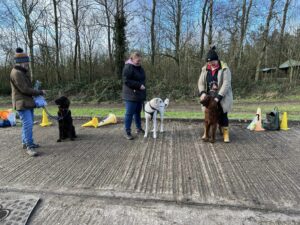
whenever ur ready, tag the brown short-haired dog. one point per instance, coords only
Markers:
(212, 114)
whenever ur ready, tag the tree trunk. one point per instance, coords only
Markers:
(120, 37)
(282, 29)
(77, 57)
(57, 49)
(210, 24)
(110, 54)
(265, 40)
(204, 18)
(244, 26)
(178, 31)
(153, 39)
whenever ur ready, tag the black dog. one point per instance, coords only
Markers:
(65, 121)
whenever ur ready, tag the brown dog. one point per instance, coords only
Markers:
(212, 114)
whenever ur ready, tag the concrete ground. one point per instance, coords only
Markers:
(101, 178)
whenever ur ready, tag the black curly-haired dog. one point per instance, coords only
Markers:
(65, 121)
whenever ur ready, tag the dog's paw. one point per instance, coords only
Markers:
(145, 135)
(72, 139)
(161, 131)
(58, 140)
(154, 136)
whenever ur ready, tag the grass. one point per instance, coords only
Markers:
(119, 112)
(244, 109)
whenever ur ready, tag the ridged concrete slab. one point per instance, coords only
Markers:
(259, 171)
(16, 210)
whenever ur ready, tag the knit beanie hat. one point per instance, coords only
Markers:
(20, 56)
(212, 54)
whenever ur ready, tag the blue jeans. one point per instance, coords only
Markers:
(26, 117)
(133, 109)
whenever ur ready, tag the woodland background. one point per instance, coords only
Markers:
(78, 47)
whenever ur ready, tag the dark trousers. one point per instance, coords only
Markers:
(133, 109)
(223, 119)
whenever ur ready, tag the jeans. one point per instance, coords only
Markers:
(133, 109)
(26, 117)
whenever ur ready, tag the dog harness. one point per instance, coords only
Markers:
(151, 113)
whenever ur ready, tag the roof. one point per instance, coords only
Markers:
(266, 70)
(289, 63)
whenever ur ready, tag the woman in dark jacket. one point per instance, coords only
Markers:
(133, 93)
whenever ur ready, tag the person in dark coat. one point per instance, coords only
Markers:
(133, 93)
(22, 98)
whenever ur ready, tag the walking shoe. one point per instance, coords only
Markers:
(140, 131)
(32, 146)
(31, 152)
(128, 136)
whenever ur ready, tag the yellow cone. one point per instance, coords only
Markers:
(284, 122)
(258, 125)
(92, 123)
(45, 120)
(111, 119)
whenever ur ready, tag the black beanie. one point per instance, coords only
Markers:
(212, 54)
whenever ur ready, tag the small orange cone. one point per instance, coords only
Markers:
(45, 120)
(258, 126)
(284, 122)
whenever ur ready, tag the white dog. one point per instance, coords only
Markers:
(154, 106)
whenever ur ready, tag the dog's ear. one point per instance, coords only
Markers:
(166, 102)
(157, 101)
(205, 102)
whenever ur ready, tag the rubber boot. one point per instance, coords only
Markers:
(226, 134)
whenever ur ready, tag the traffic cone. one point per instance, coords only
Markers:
(258, 125)
(111, 119)
(92, 123)
(252, 125)
(284, 122)
(45, 120)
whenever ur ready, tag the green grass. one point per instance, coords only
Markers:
(243, 109)
(119, 112)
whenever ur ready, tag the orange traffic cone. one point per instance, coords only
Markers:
(284, 122)
(258, 126)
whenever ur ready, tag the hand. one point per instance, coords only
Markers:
(44, 92)
(202, 97)
(216, 99)
(142, 87)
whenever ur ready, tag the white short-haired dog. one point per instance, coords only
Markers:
(154, 106)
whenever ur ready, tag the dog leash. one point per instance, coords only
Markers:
(51, 116)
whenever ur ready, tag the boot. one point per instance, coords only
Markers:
(226, 134)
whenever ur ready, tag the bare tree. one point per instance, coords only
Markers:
(265, 39)
(204, 18)
(210, 22)
(120, 37)
(282, 28)
(153, 36)
(56, 39)
(243, 28)
(108, 9)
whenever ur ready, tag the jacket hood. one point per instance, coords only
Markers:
(129, 61)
